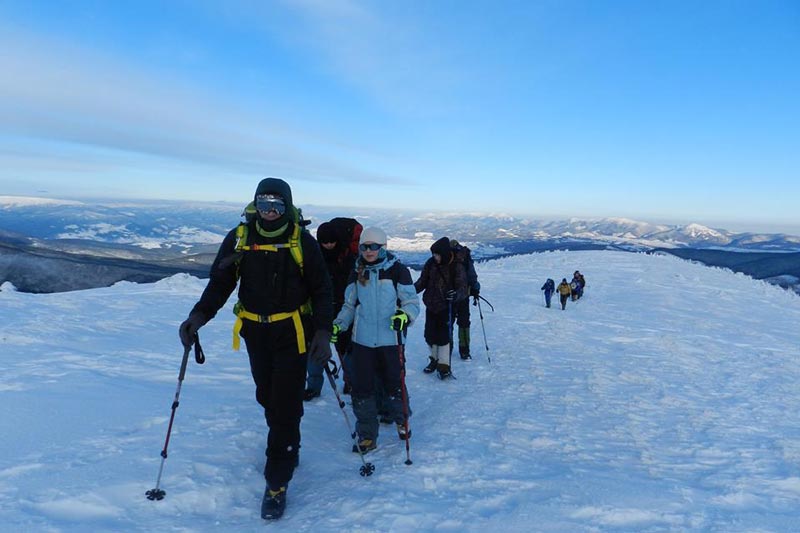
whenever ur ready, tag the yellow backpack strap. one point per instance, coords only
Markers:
(241, 237)
(295, 248)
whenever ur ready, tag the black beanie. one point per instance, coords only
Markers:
(441, 247)
(326, 233)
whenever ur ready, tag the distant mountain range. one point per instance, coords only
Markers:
(42, 241)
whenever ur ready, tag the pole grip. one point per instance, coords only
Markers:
(184, 362)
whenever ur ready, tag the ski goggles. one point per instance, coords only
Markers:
(372, 246)
(270, 202)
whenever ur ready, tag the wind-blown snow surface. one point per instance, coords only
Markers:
(665, 400)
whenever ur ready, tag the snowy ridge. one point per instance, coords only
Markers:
(665, 400)
(162, 223)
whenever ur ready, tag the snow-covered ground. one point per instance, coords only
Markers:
(665, 400)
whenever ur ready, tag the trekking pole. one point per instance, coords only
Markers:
(401, 353)
(450, 330)
(450, 325)
(487, 302)
(157, 493)
(485, 342)
(366, 468)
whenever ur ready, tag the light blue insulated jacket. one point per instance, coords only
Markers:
(370, 305)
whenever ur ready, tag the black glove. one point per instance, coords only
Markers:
(450, 295)
(474, 291)
(319, 350)
(189, 327)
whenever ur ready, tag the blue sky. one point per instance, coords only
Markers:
(682, 111)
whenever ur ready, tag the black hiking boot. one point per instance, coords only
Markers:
(465, 356)
(444, 371)
(274, 504)
(310, 394)
(431, 366)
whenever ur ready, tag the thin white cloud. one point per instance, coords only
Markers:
(56, 92)
(388, 54)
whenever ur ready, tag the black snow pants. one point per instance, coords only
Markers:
(279, 373)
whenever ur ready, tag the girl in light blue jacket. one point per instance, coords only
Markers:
(380, 302)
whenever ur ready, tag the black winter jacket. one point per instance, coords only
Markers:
(270, 282)
(437, 279)
(340, 266)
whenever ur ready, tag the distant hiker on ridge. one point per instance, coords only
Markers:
(564, 291)
(282, 276)
(549, 288)
(580, 283)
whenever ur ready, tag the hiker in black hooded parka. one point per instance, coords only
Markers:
(282, 277)
(463, 256)
(334, 238)
(445, 284)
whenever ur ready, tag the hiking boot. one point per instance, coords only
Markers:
(366, 445)
(273, 504)
(401, 432)
(431, 366)
(465, 356)
(311, 394)
(444, 371)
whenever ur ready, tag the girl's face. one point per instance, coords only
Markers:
(368, 253)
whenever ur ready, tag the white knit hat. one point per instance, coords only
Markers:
(376, 235)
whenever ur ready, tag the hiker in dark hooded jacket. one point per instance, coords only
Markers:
(580, 283)
(277, 291)
(335, 247)
(463, 256)
(445, 284)
(549, 288)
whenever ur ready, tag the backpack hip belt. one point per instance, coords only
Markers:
(243, 314)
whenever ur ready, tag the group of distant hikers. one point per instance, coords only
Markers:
(573, 289)
(344, 288)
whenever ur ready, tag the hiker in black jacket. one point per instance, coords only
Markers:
(463, 256)
(282, 277)
(340, 260)
(444, 283)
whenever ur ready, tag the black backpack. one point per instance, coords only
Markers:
(348, 230)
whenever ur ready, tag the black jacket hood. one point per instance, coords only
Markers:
(275, 186)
